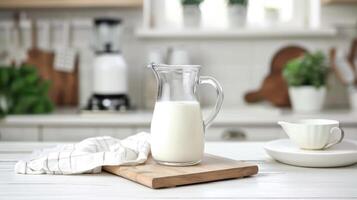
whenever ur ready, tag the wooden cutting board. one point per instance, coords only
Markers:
(64, 85)
(274, 88)
(212, 168)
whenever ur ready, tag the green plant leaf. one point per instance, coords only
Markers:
(191, 2)
(238, 2)
(309, 70)
(25, 91)
(5, 76)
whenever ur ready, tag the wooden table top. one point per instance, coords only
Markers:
(274, 181)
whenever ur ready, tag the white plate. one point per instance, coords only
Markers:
(285, 151)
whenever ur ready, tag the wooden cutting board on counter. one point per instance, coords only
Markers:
(212, 168)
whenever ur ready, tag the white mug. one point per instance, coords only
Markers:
(313, 134)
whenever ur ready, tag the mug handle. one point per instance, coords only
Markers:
(213, 82)
(342, 135)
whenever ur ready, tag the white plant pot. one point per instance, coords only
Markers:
(237, 15)
(307, 99)
(191, 16)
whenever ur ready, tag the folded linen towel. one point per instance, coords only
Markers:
(87, 156)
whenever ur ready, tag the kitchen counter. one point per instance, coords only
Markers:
(274, 180)
(234, 116)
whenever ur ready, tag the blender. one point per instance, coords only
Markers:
(110, 87)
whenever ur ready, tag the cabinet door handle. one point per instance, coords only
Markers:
(234, 135)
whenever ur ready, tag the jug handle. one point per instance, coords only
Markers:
(213, 82)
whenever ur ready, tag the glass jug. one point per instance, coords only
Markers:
(177, 127)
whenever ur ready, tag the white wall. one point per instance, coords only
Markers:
(239, 64)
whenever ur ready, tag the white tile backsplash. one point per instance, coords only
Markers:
(239, 64)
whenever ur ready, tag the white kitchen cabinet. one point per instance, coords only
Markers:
(115, 132)
(67, 134)
(225, 133)
(237, 133)
(19, 133)
(258, 133)
(142, 129)
(80, 133)
(244, 133)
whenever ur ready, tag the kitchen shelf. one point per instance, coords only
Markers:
(339, 1)
(243, 33)
(23, 4)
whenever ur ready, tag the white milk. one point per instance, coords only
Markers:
(177, 133)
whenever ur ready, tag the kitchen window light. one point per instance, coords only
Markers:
(261, 14)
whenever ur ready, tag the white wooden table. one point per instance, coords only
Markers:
(274, 181)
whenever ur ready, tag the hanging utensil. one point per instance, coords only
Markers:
(44, 33)
(37, 57)
(342, 67)
(20, 53)
(5, 55)
(352, 57)
(345, 73)
(40, 59)
(65, 55)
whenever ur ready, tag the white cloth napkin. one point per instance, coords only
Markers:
(87, 156)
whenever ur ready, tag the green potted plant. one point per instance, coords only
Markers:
(22, 91)
(191, 13)
(237, 12)
(306, 77)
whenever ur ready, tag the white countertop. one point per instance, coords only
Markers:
(274, 180)
(234, 116)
